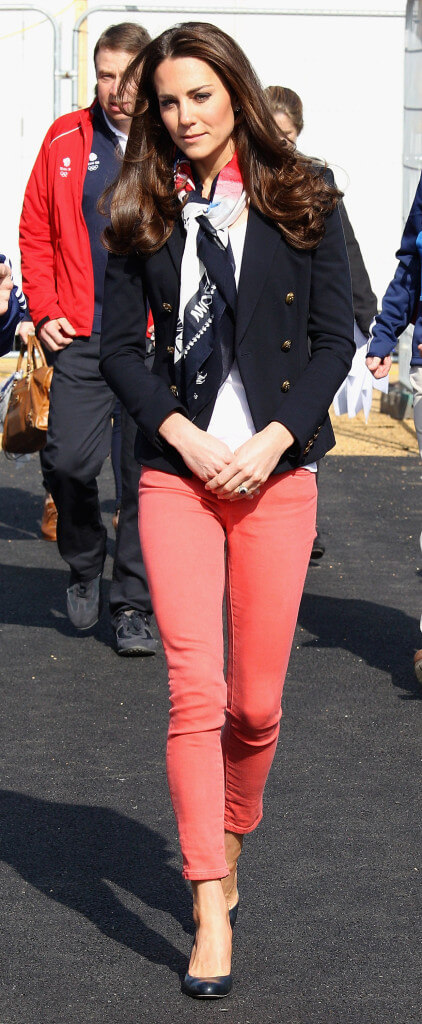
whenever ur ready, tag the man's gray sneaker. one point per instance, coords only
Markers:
(84, 603)
(133, 635)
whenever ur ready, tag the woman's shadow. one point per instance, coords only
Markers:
(381, 636)
(75, 853)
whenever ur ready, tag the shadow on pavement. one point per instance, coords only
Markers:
(21, 513)
(36, 597)
(72, 852)
(383, 637)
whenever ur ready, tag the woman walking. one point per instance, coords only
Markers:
(236, 244)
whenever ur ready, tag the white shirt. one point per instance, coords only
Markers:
(231, 419)
(116, 131)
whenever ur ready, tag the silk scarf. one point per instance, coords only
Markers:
(204, 344)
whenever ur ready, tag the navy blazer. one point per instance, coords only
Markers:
(293, 341)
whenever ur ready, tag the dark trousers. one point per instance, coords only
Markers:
(116, 447)
(78, 442)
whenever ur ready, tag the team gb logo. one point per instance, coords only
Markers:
(93, 162)
(65, 167)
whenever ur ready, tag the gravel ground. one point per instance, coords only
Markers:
(381, 435)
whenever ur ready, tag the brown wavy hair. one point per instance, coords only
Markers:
(281, 183)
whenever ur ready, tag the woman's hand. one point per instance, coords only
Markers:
(24, 329)
(252, 463)
(379, 367)
(205, 455)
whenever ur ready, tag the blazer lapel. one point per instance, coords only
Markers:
(176, 244)
(261, 242)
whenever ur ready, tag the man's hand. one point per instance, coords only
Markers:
(56, 334)
(379, 367)
(6, 285)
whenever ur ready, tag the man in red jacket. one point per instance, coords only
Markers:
(63, 265)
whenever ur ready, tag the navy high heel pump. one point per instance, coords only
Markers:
(207, 988)
(211, 988)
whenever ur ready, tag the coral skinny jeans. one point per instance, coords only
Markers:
(223, 729)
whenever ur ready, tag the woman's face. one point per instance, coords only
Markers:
(196, 108)
(286, 124)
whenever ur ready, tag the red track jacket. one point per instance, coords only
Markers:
(57, 270)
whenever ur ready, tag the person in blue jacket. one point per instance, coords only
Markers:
(13, 308)
(401, 306)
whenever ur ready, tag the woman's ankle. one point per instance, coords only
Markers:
(211, 952)
(233, 849)
(233, 843)
(208, 900)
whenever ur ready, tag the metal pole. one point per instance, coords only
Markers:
(56, 57)
(133, 8)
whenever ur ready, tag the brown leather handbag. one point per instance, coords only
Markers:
(25, 425)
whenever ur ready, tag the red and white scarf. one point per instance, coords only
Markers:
(204, 344)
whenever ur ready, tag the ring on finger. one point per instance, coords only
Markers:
(242, 489)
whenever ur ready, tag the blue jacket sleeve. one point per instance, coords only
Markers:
(17, 311)
(8, 323)
(403, 292)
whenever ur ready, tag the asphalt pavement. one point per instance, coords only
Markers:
(96, 923)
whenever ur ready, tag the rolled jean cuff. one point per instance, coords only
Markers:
(210, 875)
(242, 830)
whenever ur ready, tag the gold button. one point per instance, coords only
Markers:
(170, 349)
(286, 345)
(167, 307)
(290, 298)
(174, 390)
(285, 385)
